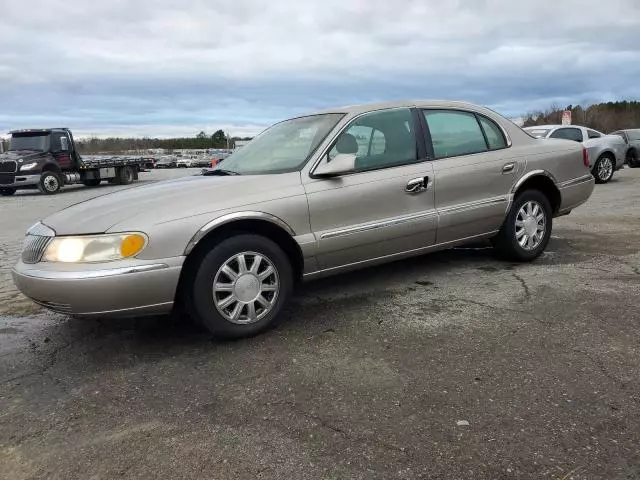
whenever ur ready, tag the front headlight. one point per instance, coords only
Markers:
(96, 248)
(28, 166)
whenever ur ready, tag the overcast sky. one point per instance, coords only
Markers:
(169, 67)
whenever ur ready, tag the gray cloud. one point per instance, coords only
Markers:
(166, 67)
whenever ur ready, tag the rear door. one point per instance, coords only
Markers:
(387, 205)
(474, 169)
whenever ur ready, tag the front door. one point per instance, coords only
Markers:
(387, 205)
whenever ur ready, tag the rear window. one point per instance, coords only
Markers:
(633, 134)
(538, 132)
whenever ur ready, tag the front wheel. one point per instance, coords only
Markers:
(526, 231)
(603, 169)
(7, 192)
(241, 286)
(49, 183)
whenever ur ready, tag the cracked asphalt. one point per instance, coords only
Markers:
(452, 365)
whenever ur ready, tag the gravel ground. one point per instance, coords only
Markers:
(451, 365)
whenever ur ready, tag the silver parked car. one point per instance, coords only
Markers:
(606, 152)
(631, 138)
(310, 196)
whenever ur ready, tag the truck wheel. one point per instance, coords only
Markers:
(526, 231)
(7, 192)
(240, 287)
(124, 175)
(603, 169)
(92, 182)
(49, 183)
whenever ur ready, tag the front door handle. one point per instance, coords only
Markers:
(508, 167)
(417, 185)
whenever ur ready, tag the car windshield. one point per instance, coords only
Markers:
(538, 132)
(634, 134)
(38, 141)
(285, 147)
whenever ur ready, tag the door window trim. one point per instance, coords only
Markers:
(421, 147)
(477, 116)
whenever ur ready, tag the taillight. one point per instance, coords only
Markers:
(585, 157)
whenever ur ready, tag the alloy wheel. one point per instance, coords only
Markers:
(531, 225)
(245, 288)
(605, 168)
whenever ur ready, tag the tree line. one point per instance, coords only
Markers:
(201, 141)
(605, 117)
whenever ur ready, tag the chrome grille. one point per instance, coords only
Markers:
(34, 246)
(8, 167)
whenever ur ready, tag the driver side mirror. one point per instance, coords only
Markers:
(341, 164)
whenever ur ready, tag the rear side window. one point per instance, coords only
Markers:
(454, 133)
(495, 138)
(568, 134)
(593, 134)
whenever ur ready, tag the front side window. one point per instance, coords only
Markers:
(568, 134)
(380, 139)
(282, 148)
(454, 133)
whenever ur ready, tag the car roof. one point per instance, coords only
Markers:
(368, 107)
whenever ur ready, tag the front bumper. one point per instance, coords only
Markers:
(121, 289)
(17, 180)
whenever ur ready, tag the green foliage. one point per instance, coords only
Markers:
(605, 117)
(114, 145)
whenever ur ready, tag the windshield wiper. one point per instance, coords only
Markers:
(218, 171)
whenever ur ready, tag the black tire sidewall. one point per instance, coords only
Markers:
(509, 242)
(596, 168)
(201, 298)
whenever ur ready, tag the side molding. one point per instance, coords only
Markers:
(231, 217)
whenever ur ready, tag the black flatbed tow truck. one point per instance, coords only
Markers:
(47, 159)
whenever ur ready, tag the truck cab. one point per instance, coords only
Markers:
(47, 159)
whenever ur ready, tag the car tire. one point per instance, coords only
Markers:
(7, 192)
(604, 168)
(93, 182)
(530, 210)
(632, 159)
(124, 175)
(251, 302)
(50, 183)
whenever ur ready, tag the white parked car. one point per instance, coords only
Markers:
(184, 163)
(606, 152)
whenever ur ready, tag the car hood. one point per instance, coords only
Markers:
(165, 201)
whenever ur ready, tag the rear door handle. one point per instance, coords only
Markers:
(417, 185)
(509, 167)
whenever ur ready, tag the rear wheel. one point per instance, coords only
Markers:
(7, 192)
(632, 159)
(241, 286)
(93, 182)
(526, 231)
(124, 175)
(49, 183)
(603, 169)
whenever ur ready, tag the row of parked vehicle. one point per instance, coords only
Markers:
(607, 153)
(193, 161)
